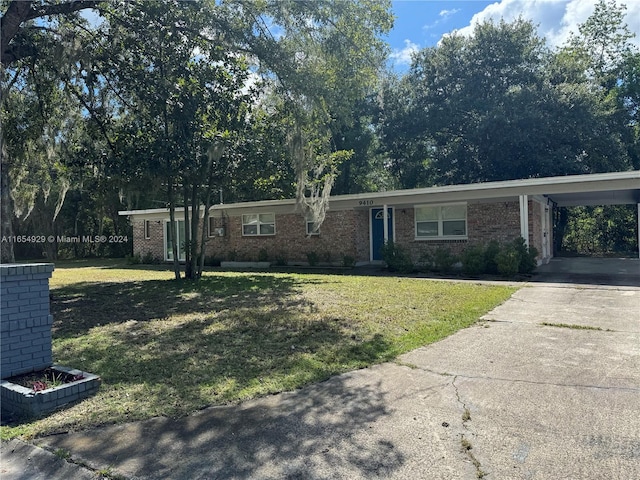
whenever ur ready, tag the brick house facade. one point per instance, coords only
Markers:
(420, 220)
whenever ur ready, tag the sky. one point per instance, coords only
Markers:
(422, 23)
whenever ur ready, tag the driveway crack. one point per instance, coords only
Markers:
(465, 441)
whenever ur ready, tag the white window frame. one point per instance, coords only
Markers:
(168, 253)
(147, 229)
(441, 221)
(211, 227)
(309, 227)
(258, 225)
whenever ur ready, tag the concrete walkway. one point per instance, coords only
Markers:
(509, 398)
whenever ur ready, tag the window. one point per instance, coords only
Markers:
(441, 221)
(180, 233)
(309, 227)
(212, 227)
(259, 224)
(147, 229)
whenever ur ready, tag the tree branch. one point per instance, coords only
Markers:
(20, 11)
(61, 8)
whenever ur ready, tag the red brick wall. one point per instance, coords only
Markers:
(485, 222)
(493, 221)
(336, 239)
(153, 245)
(347, 233)
(535, 226)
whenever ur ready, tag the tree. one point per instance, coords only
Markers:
(22, 41)
(497, 106)
(164, 82)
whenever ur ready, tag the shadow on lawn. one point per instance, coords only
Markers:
(81, 306)
(327, 430)
(241, 336)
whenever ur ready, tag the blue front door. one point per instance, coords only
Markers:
(377, 230)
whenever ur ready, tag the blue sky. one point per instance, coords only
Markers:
(421, 23)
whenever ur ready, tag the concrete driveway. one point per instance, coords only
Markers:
(509, 398)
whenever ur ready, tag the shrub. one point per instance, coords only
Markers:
(527, 256)
(443, 260)
(396, 258)
(133, 259)
(212, 261)
(281, 259)
(473, 260)
(263, 255)
(426, 261)
(348, 261)
(149, 259)
(490, 253)
(313, 258)
(508, 261)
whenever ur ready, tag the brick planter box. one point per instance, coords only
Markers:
(23, 402)
(25, 343)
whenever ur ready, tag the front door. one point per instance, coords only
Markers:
(377, 230)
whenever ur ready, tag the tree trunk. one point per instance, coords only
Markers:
(173, 229)
(195, 223)
(188, 273)
(6, 242)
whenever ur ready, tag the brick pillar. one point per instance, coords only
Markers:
(25, 342)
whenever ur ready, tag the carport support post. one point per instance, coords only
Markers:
(524, 218)
(639, 230)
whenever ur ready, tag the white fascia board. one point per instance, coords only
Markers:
(509, 189)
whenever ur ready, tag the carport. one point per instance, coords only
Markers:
(615, 188)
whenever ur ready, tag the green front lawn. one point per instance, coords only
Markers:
(171, 348)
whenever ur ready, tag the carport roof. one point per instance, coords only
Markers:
(592, 189)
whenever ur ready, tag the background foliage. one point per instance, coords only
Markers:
(119, 113)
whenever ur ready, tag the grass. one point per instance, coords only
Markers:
(167, 348)
(572, 326)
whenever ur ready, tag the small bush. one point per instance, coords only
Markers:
(508, 261)
(212, 261)
(263, 255)
(133, 259)
(149, 259)
(281, 259)
(313, 258)
(490, 253)
(443, 260)
(527, 255)
(425, 262)
(396, 258)
(327, 257)
(232, 256)
(473, 260)
(348, 261)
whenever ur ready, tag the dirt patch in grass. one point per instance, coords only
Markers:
(171, 348)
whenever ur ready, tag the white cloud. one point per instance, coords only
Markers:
(404, 56)
(445, 15)
(556, 19)
(448, 13)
